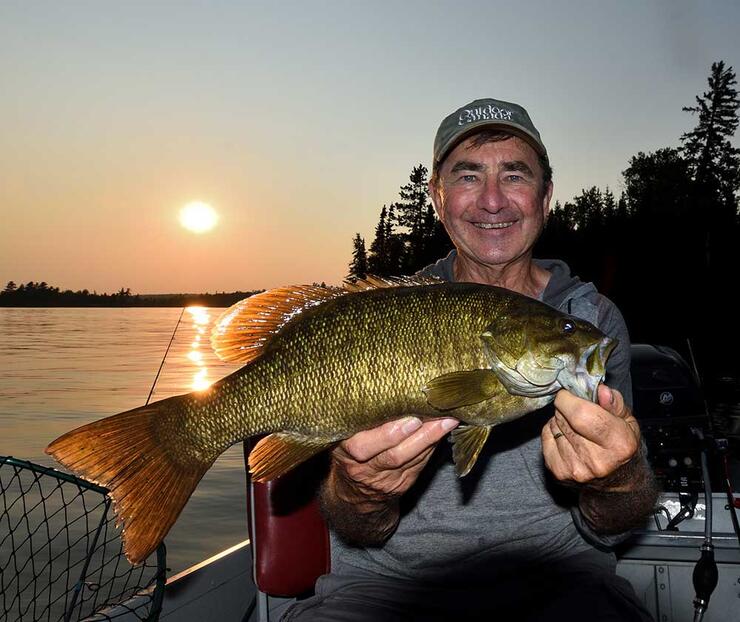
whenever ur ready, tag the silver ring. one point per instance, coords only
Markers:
(558, 435)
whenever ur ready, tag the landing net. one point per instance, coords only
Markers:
(61, 556)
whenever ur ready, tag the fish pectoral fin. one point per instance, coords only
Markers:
(467, 442)
(280, 452)
(461, 388)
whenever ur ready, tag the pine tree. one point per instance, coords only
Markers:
(587, 209)
(609, 205)
(379, 248)
(714, 162)
(395, 247)
(358, 265)
(423, 236)
(657, 186)
(414, 200)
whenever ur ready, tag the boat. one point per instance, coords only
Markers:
(256, 580)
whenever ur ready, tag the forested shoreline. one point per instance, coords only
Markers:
(41, 294)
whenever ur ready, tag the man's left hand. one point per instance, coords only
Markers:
(586, 443)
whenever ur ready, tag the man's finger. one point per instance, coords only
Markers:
(428, 435)
(552, 439)
(569, 456)
(587, 419)
(612, 401)
(365, 445)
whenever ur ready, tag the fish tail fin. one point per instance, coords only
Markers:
(149, 477)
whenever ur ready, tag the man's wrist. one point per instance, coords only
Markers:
(359, 515)
(348, 490)
(621, 501)
(632, 475)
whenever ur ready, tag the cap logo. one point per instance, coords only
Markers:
(484, 113)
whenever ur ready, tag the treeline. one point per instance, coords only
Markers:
(408, 235)
(666, 249)
(41, 294)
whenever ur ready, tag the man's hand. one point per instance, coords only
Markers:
(588, 443)
(371, 470)
(597, 446)
(386, 460)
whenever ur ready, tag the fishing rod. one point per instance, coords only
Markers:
(705, 576)
(166, 352)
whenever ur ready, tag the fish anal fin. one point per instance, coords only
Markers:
(242, 331)
(461, 388)
(467, 442)
(280, 452)
(381, 282)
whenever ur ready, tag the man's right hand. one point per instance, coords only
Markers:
(385, 461)
(371, 470)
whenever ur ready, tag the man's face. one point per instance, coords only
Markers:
(491, 200)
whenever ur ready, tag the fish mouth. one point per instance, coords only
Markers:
(590, 370)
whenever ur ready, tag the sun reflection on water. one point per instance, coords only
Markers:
(200, 319)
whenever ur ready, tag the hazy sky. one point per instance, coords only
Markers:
(297, 121)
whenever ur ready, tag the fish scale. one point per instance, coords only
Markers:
(370, 378)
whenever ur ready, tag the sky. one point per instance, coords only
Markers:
(298, 121)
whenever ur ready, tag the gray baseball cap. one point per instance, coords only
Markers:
(484, 114)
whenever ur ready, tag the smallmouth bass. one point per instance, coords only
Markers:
(324, 363)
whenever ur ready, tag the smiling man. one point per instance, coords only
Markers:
(526, 535)
(492, 195)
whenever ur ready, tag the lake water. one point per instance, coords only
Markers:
(62, 368)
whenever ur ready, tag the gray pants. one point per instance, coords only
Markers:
(575, 590)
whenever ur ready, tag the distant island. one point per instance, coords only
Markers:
(41, 294)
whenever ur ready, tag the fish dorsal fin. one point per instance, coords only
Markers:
(242, 331)
(380, 282)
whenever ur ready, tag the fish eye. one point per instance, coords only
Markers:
(568, 327)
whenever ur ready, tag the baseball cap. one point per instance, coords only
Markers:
(483, 114)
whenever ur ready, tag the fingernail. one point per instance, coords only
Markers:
(611, 396)
(449, 424)
(410, 424)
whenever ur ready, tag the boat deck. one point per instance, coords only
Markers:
(658, 563)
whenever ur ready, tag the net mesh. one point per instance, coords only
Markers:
(61, 555)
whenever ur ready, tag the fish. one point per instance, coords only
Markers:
(323, 363)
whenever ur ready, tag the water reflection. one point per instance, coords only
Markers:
(88, 363)
(200, 320)
(63, 368)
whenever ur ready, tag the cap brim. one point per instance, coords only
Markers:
(513, 128)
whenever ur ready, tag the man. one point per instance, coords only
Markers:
(524, 536)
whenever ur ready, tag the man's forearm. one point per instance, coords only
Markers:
(623, 500)
(357, 516)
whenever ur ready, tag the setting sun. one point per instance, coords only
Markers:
(198, 217)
